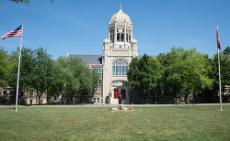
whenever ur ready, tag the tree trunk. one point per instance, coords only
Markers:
(39, 97)
(186, 99)
(1, 91)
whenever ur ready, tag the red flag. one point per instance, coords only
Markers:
(14, 33)
(217, 38)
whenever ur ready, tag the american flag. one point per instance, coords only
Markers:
(14, 33)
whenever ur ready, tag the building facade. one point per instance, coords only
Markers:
(119, 48)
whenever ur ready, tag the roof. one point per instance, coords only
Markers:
(120, 16)
(90, 59)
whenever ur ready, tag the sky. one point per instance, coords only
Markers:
(80, 26)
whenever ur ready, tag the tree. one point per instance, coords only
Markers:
(185, 72)
(133, 74)
(56, 84)
(42, 71)
(225, 68)
(144, 74)
(69, 82)
(20, 1)
(25, 69)
(4, 67)
(77, 79)
(227, 50)
(24, 1)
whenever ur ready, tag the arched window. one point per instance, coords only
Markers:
(122, 37)
(118, 37)
(120, 68)
(112, 37)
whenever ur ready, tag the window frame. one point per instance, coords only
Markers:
(120, 68)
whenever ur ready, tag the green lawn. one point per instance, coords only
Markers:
(192, 123)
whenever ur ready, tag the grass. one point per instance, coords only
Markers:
(179, 123)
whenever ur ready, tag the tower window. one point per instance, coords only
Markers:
(112, 37)
(118, 37)
(122, 37)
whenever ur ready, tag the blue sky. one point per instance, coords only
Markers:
(80, 26)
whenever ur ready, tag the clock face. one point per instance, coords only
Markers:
(120, 30)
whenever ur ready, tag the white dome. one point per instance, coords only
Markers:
(120, 16)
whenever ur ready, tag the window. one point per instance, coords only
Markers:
(122, 37)
(120, 68)
(112, 37)
(98, 71)
(98, 88)
(118, 36)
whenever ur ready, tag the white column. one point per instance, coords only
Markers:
(131, 36)
(115, 32)
(125, 34)
(109, 35)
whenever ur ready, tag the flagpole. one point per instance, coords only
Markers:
(18, 74)
(220, 94)
(218, 52)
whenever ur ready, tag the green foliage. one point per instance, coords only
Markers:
(227, 50)
(133, 73)
(145, 73)
(25, 69)
(35, 71)
(180, 72)
(185, 71)
(4, 67)
(21, 1)
(76, 77)
(225, 68)
(69, 77)
(42, 71)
